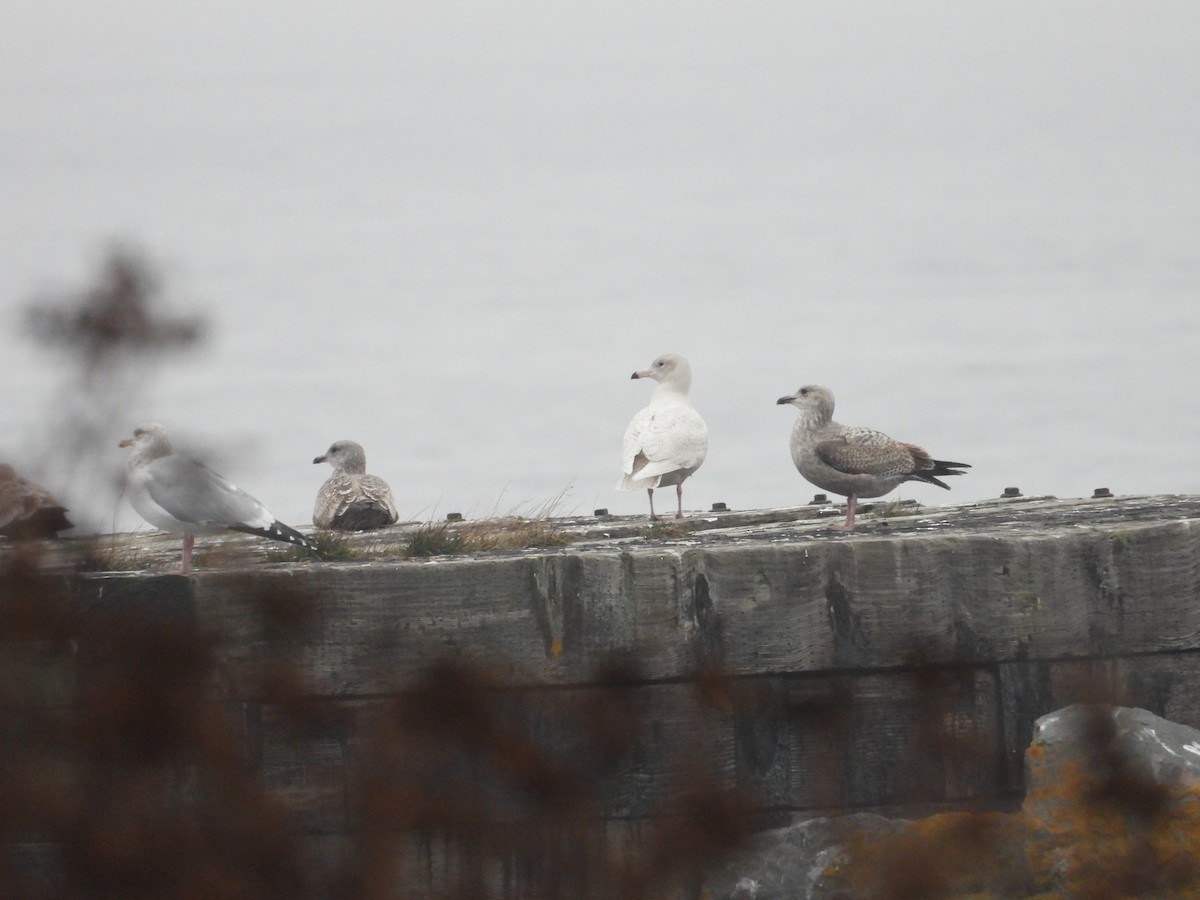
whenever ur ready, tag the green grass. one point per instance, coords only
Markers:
(509, 533)
(514, 531)
(893, 508)
(434, 539)
(104, 555)
(667, 529)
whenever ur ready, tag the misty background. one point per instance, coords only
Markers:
(451, 232)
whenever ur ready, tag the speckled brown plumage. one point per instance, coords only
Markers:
(852, 461)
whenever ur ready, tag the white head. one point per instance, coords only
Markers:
(149, 442)
(345, 456)
(671, 370)
(815, 402)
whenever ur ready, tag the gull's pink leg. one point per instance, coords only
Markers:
(189, 541)
(679, 500)
(848, 525)
(650, 494)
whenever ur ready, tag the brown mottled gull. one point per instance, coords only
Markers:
(667, 441)
(352, 500)
(28, 510)
(178, 494)
(855, 462)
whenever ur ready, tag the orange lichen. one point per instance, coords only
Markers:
(1081, 835)
(947, 855)
(1110, 834)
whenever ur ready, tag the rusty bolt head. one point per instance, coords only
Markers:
(719, 507)
(454, 517)
(1101, 492)
(820, 498)
(1011, 492)
(599, 512)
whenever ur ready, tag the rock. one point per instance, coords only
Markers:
(1112, 804)
(1112, 809)
(955, 854)
(791, 862)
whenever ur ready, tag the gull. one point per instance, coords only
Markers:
(667, 441)
(183, 496)
(855, 462)
(352, 500)
(28, 510)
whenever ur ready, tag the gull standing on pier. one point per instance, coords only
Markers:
(855, 462)
(352, 500)
(180, 495)
(667, 441)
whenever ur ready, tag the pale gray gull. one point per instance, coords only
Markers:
(855, 462)
(667, 441)
(183, 496)
(28, 510)
(352, 500)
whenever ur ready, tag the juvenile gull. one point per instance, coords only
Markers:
(28, 510)
(181, 495)
(352, 500)
(855, 462)
(665, 442)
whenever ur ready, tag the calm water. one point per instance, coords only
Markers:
(451, 232)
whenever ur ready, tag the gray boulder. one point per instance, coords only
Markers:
(791, 863)
(1112, 808)
(1112, 802)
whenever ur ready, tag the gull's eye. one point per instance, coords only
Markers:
(803, 392)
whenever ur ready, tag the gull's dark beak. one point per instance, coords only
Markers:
(782, 400)
(125, 442)
(320, 459)
(636, 375)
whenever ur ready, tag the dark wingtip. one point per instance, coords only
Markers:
(947, 464)
(277, 531)
(944, 468)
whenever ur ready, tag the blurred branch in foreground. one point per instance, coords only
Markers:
(115, 320)
(110, 332)
(143, 754)
(261, 740)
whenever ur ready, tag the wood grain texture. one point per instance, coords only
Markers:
(811, 672)
(919, 736)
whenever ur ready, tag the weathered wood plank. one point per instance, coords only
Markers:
(306, 759)
(751, 608)
(955, 598)
(514, 721)
(482, 754)
(375, 628)
(907, 737)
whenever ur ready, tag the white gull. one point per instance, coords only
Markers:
(183, 496)
(667, 441)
